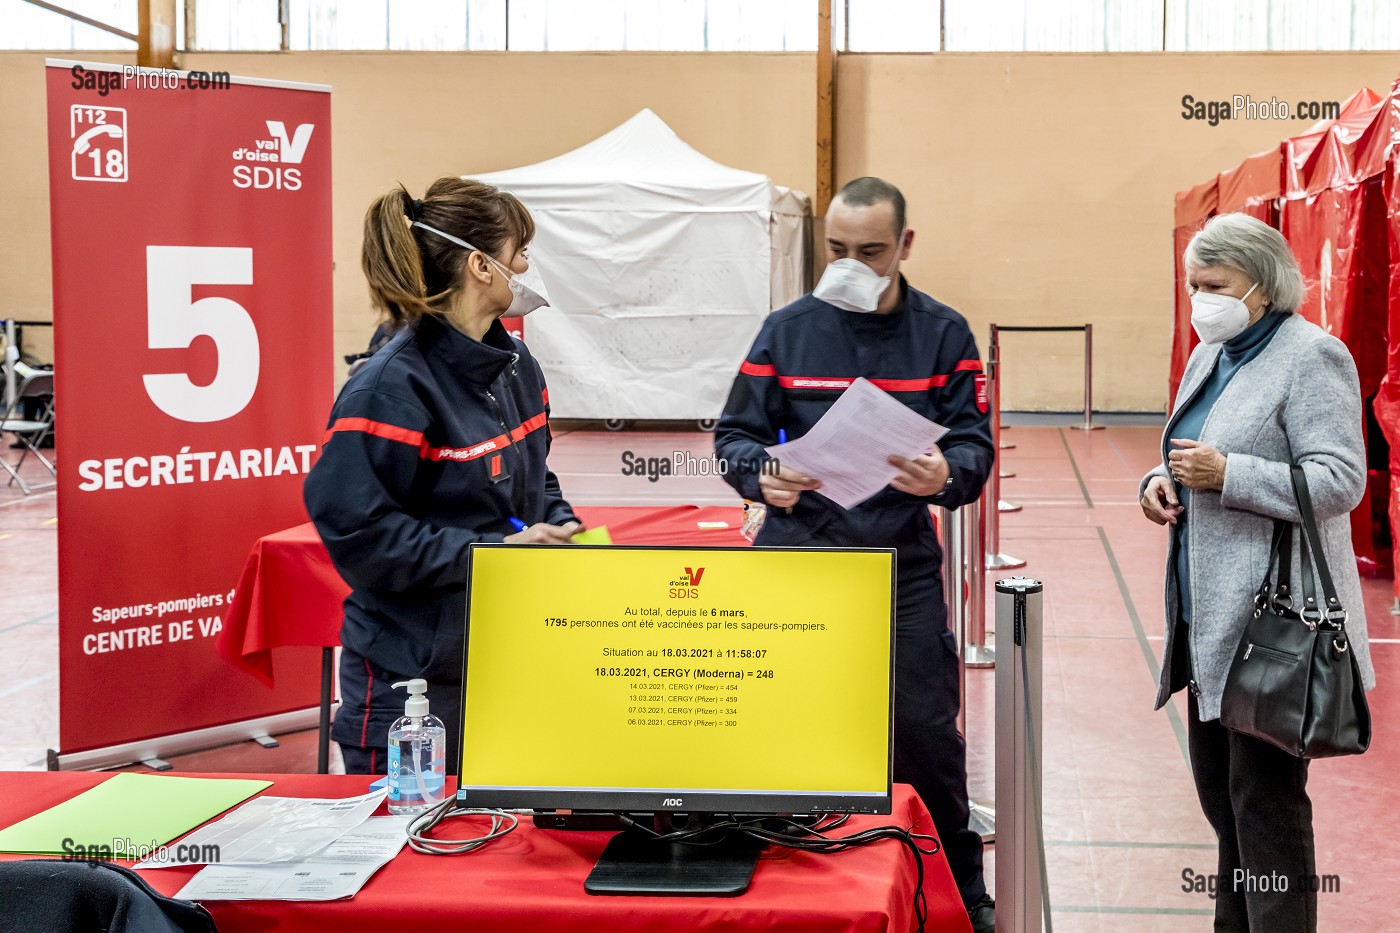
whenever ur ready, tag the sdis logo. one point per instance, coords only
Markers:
(280, 149)
(688, 586)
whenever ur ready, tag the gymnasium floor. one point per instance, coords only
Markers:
(1121, 818)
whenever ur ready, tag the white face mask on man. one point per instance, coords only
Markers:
(1218, 318)
(523, 297)
(851, 285)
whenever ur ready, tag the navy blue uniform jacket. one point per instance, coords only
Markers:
(434, 444)
(806, 354)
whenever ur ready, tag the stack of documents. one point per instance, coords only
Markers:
(288, 848)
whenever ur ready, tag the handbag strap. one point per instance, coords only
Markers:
(1279, 567)
(1333, 612)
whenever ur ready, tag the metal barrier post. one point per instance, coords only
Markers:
(950, 529)
(994, 402)
(1021, 886)
(962, 577)
(1088, 424)
(11, 358)
(975, 652)
(991, 543)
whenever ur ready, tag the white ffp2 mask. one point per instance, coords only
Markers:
(851, 285)
(523, 298)
(1217, 318)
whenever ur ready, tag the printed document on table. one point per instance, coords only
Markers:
(849, 448)
(269, 829)
(339, 870)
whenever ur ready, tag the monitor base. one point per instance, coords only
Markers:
(634, 863)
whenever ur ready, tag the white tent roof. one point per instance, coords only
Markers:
(642, 165)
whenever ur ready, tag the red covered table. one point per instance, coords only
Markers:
(532, 880)
(290, 595)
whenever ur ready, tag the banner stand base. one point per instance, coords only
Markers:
(154, 750)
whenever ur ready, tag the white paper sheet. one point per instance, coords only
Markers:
(849, 448)
(337, 871)
(270, 829)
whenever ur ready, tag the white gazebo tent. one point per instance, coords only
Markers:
(660, 265)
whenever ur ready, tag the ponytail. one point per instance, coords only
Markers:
(413, 273)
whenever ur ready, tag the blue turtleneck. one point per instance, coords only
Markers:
(1191, 420)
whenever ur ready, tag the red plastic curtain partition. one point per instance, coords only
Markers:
(1378, 150)
(1193, 208)
(1329, 225)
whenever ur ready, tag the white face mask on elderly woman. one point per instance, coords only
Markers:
(523, 297)
(851, 285)
(1217, 318)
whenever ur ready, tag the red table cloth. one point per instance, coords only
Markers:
(290, 594)
(532, 880)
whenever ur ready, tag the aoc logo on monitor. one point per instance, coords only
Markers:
(687, 586)
(672, 802)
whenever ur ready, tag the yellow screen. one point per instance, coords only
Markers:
(727, 670)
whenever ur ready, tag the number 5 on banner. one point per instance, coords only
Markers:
(174, 320)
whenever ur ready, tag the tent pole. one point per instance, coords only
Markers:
(826, 109)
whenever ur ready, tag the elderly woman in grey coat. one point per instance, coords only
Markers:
(1264, 389)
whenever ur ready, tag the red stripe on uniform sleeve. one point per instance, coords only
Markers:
(376, 428)
(544, 394)
(974, 366)
(757, 369)
(527, 426)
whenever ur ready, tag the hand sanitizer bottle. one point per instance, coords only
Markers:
(417, 754)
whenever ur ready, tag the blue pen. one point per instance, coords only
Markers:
(516, 523)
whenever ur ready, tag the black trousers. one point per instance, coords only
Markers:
(370, 705)
(929, 752)
(1255, 796)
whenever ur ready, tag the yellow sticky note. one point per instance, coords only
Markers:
(597, 535)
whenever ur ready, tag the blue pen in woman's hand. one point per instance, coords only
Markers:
(516, 523)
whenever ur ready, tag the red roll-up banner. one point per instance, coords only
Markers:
(191, 222)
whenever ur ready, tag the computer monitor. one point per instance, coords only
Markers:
(678, 680)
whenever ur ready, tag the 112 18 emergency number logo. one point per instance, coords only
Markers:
(99, 142)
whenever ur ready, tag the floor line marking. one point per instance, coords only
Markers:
(1177, 725)
(1131, 845)
(16, 688)
(1171, 911)
(1075, 466)
(42, 618)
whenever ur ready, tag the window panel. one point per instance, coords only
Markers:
(894, 25)
(427, 25)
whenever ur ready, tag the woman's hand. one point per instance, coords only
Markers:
(1159, 501)
(546, 534)
(783, 488)
(1197, 465)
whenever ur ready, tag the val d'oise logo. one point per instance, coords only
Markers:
(281, 150)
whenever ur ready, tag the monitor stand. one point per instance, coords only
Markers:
(635, 863)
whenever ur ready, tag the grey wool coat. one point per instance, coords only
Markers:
(1298, 400)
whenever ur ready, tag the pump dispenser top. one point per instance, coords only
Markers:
(417, 705)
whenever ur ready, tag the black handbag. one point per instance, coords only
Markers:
(1294, 682)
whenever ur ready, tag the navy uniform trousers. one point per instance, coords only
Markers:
(929, 752)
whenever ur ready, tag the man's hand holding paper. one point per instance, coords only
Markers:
(865, 442)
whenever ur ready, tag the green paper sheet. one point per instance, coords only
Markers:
(597, 535)
(127, 806)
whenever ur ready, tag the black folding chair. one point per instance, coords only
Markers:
(30, 432)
